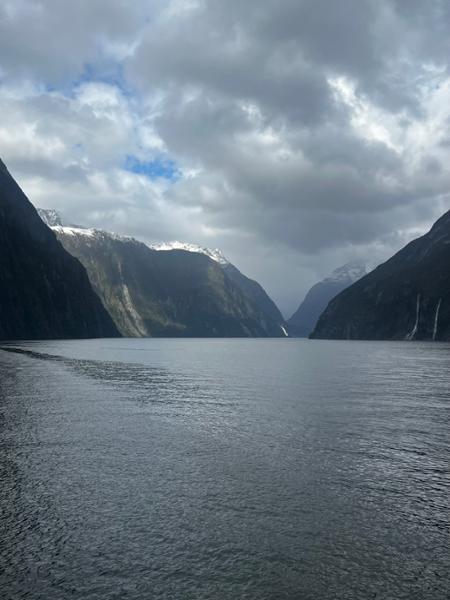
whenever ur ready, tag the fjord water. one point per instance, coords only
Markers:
(224, 469)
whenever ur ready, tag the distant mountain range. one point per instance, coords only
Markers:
(60, 281)
(303, 321)
(44, 291)
(174, 289)
(406, 298)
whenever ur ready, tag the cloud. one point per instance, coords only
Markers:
(295, 135)
(51, 41)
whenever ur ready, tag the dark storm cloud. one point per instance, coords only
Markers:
(52, 41)
(280, 57)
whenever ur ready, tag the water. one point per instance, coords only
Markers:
(224, 470)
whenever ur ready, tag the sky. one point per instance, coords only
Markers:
(294, 135)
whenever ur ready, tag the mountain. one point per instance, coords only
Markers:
(44, 291)
(257, 294)
(252, 289)
(164, 291)
(303, 321)
(50, 217)
(406, 298)
(215, 254)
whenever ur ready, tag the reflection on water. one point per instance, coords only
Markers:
(216, 469)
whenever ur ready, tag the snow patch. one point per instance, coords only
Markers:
(50, 216)
(53, 219)
(350, 272)
(215, 254)
(91, 233)
(74, 231)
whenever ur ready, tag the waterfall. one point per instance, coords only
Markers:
(436, 317)
(410, 336)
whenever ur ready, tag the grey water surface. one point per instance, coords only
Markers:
(224, 470)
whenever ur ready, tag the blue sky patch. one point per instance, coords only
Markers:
(159, 168)
(110, 73)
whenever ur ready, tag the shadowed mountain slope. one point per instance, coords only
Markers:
(151, 293)
(44, 291)
(406, 298)
(316, 300)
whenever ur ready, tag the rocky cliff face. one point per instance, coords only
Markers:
(251, 288)
(44, 291)
(406, 298)
(165, 292)
(257, 294)
(303, 321)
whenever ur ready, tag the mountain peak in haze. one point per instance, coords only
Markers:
(351, 271)
(316, 300)
(50, 216)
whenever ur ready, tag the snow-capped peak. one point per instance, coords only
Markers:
(91, 232)
(51, 217)
(214, 254)
(82, 231)
(351, 272)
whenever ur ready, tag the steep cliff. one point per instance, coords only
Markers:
(151, 292)
(44, 291)
(406, 298)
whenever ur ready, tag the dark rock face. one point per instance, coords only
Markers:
(44, 292)
(303, 321)
(253, 290)
(406, 298)
(174, 293)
